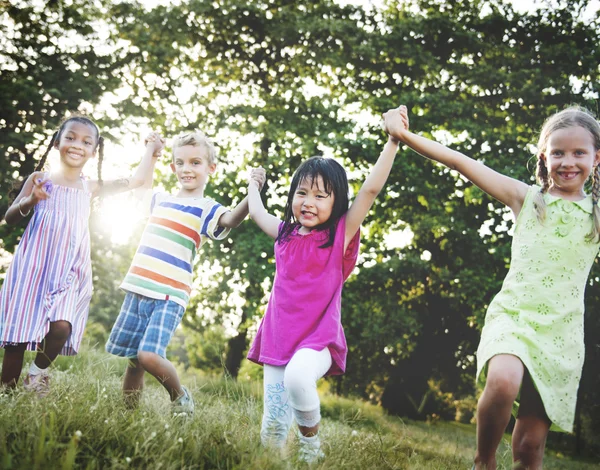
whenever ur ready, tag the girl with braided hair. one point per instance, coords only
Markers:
(47, 290)
(531, 351)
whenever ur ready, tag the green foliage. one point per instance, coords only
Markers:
(51, 64)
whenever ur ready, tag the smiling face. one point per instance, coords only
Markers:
(192, 165)
(570, 156)
(76, 144)
(311, 204)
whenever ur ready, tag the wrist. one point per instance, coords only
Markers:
(24, 210)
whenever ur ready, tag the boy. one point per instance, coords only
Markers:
(159, 281)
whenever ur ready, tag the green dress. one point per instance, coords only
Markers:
(538, 314)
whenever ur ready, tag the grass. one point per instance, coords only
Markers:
(83, 424)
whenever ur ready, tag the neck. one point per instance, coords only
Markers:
(576, 195)
(198, 193)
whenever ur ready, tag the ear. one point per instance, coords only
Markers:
(212, 168)
(597, 158)
(172, 165)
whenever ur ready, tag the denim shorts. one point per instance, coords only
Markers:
(144, 324)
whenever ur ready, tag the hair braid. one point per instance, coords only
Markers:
(594, 235)
(100, 158)
(544, 180)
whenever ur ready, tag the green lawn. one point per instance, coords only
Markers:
(83, 424)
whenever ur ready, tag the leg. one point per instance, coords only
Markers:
(164, 372)
(12, 363)
(133, 383)
(53, 343)
(301, 376)
(277, 412)
(531, 429)
(505, 374)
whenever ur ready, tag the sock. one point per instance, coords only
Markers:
(35, 370)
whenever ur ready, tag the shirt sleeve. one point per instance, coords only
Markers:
(211, 225)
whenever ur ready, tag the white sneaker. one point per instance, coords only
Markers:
(310, 449)
(38, 384)
(184, 405)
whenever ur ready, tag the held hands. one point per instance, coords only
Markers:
(155, 142)
(257, 176)
(395, 123)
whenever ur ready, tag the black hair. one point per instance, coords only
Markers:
(335, 182)
(56, 138)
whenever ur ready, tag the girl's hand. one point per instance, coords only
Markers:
(156, 143)
(42, 187)
(395, 123)
(257, 176)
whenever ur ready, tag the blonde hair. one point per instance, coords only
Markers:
(574, 116)
(196, 139)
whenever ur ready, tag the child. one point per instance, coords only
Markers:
(46, 294)
(532, 343)
(159, 281)
(301, 338)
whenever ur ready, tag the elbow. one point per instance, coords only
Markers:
(135, 183)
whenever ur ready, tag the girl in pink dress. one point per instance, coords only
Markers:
(47, 290)
(301, 338)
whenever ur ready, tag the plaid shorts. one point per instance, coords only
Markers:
(144, 324)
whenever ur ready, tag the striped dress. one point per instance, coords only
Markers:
(50, 277)
(162, 267)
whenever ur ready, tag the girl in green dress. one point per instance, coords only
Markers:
(531, 352)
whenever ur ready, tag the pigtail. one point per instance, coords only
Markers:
(100, 159)
(594, 235)
(17, 187)
(542, 177)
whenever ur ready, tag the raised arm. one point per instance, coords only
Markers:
(268, 223)
(508, 191)
(143, 175)
(372, 185)
(236, 216)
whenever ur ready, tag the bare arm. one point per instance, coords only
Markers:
(143, 175)
(233, 218)
(508, 191)
(371, 187)
(32, 192)
(268, 223)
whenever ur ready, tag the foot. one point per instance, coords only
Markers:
(310, 449)
(184, 405)
(38, 384)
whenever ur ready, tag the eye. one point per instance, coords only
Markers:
(301, 192)
(69, 137)
(88, 143)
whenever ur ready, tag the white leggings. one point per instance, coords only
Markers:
(291, 390)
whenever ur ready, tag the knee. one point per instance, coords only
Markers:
(299, 387)
(502, 387)
(148, 360)
(528, 449)
(60, 330)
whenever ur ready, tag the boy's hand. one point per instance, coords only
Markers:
(395, 122)
(257, 176)
(156, 143)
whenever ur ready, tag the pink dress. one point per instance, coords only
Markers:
(304, 309)
(50, 277)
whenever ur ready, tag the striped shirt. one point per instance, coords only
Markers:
(177, 228)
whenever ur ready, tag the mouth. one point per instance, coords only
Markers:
(308, 215)
(187, 179)
(74, 154)
(568, 175)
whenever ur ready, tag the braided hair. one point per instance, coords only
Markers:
(573, 116)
